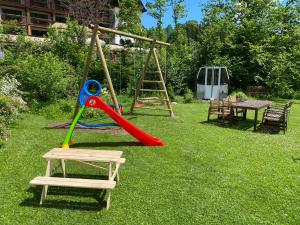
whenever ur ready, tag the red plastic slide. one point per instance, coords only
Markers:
(143, 137)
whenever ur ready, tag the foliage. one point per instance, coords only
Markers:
(69, 44)
(46, 77)
(171, 93)
(157, 9)
(181, 61)
(130, 16)
(11, 104)
(9, 86)
(179, 10)
(188, 96)
(258, 41)
(10, 27)
(61, 109)
(239, 94)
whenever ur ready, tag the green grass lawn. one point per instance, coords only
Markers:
(206, 174)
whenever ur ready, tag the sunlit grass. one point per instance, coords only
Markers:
(206, 174)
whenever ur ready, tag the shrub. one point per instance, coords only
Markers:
(9, 112)
(188, 96)
(68, 44)
(46, 77)
(61, 109)
(239, 94)
(171, 93)
(66, 106)
(4, 132)
(11, 104)
(11, 27)
(9, 86)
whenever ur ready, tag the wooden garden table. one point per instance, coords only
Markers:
(252, 105)
(84, 156)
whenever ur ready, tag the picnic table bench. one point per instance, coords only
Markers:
(255, 105)
(84, 156)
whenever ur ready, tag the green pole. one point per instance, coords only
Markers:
(72, 128)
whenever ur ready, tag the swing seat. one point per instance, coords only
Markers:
(152, 101)
(139, 105)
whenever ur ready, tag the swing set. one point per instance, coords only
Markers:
(143, 79)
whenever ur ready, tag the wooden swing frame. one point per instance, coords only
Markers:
(99, 50)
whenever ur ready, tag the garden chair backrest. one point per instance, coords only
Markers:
(214, 106)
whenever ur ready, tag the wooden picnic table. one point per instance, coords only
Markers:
(86, 157)
(255, 105)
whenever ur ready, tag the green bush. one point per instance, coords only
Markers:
(171, 93)
(7, 110)
(4, 131)
(11, 104)
(66, 106)
(61, 109)
(46, 77)
(239, 94)
(11, 27)
(68, 44)
(188, 96)
(10, 107)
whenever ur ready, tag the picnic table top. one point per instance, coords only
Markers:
(84, 155)
(253, 104)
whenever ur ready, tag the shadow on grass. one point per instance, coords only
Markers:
(106, 144)
(268, 130)
(66, 204)
(237, 125)
(98, 195)
(243, 125)
(296, 160)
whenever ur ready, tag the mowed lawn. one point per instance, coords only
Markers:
(206, 174)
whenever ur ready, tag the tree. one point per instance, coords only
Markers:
(258, 41)
(182, 61)
(178, 10)
(157, 9)
(130, 16)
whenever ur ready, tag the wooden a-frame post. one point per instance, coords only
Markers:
(95, 40)
(140, 83)
(161, 81)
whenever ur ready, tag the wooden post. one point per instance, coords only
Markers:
(63, 166)
(163, 83)
(45, 188)
(255, 119)
(108, 199)
(140, 83)
(106, 73)
(125, 34)
(87, 66)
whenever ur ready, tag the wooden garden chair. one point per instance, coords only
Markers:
(234, 101)
(227, 111)
(223, 109)
(214, 109)
(277, 116)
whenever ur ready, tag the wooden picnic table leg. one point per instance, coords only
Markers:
(45, 188)
(108, 199)
(245, 114)
(63, 166)
(255, 119)
(110, 171)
